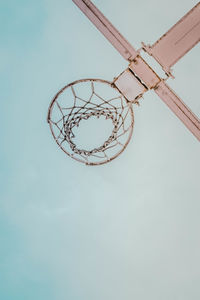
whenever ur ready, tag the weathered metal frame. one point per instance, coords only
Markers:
(178, 40)
(182, 37)
(107, 29)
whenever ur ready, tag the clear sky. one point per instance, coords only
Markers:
(125, 230)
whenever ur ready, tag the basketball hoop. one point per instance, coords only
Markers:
(91, 99)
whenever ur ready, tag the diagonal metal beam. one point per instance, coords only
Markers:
(168, 96)
(107, 29)
(178, 40)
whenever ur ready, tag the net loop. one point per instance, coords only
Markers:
(71, 105)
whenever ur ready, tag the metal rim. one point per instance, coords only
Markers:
(51, 106)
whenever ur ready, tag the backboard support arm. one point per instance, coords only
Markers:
(168, 96)
(107, 29)
(178, 40)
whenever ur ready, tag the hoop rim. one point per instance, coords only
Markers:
(129, 104)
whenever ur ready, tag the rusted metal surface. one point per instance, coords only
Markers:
(182, 37)
(179, 108)
(107, 29)
(129, 85)
(144, 72)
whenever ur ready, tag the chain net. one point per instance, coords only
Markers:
(91, 99)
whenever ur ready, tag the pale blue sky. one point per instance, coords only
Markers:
(125, 230)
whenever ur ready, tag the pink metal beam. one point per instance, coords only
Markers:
(107, 29)
(179, 108)
(175, 43)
